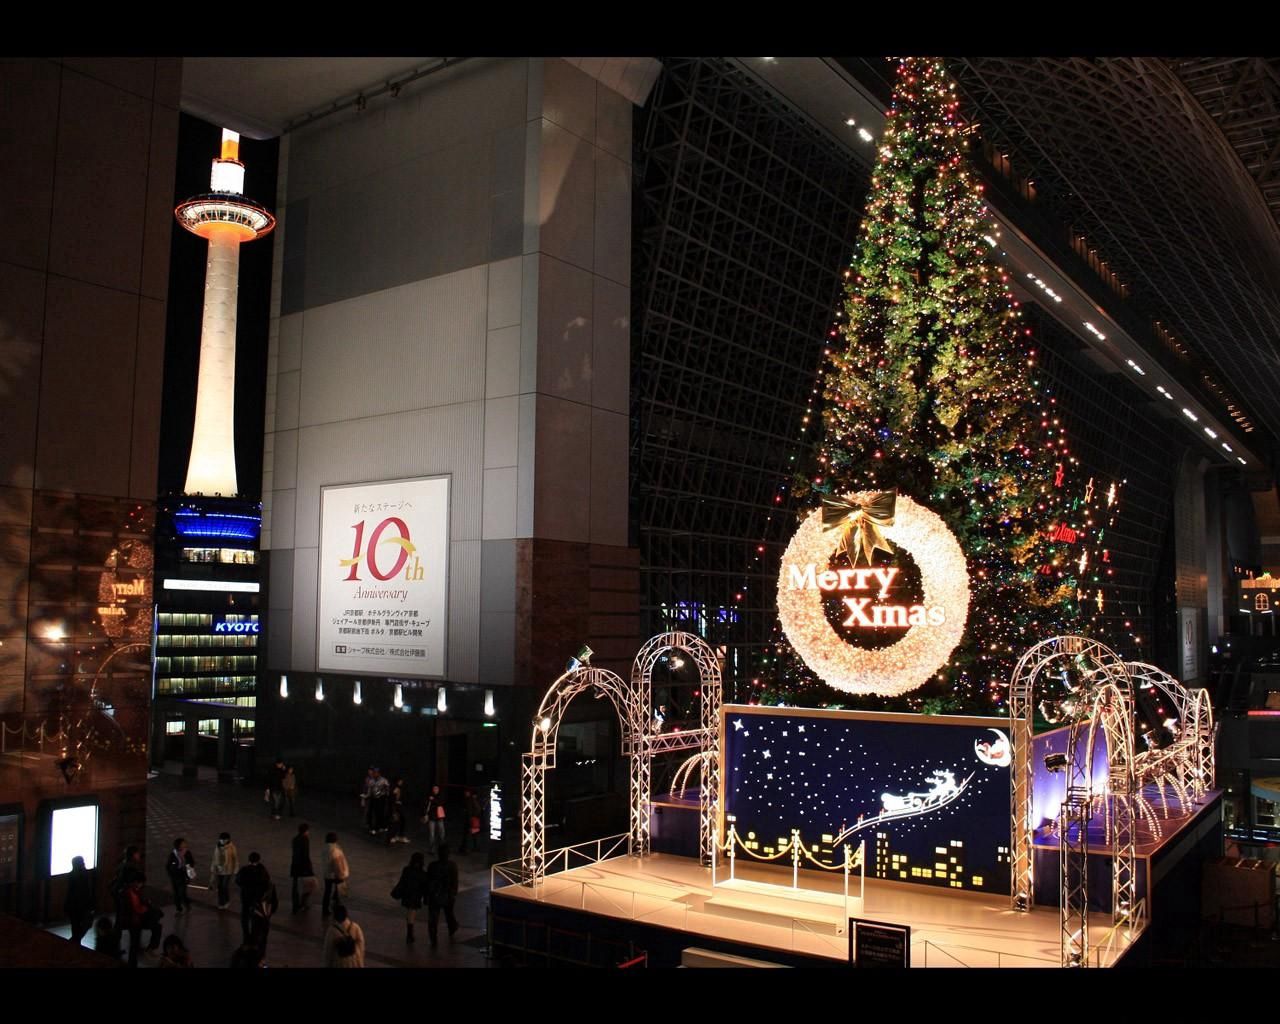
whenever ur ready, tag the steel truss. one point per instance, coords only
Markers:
(634, 705)
(1057, 653)
(706, 741)
(1109, 706)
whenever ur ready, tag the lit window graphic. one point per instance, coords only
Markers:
(931, 810)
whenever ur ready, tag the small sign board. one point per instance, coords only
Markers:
(877, 944)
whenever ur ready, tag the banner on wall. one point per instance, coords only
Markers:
(384, 578)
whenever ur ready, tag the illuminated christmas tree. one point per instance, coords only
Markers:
(932, 390)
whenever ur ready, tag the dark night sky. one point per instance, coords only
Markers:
(198, 143)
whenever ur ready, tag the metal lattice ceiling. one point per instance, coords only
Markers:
(1170, 167)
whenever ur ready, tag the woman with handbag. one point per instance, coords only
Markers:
(181, 868)
(410, 891)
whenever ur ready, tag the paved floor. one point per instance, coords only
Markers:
(199, 810)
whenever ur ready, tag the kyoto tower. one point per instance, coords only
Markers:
(224, 218)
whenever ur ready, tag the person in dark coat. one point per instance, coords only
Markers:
(180, 860)
(275, 788)
(255, 887)
(79, 902)
(139, 914)
(442, 890)
(410, 891)
(130, 870)
(300, 866)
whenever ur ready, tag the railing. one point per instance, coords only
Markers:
(985, 957)
(511, 872)
(1107, 951)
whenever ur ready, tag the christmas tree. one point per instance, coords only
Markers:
(932, 390)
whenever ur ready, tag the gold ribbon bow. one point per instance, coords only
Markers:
(863, 520)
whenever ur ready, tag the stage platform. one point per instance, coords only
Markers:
(760, 914)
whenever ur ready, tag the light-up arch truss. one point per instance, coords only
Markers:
(1058, 653)
(633, 702)
(1109, 705)
(705, 740)
(542, 755)
(1187, 764)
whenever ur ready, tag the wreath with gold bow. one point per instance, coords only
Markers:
(860, 523)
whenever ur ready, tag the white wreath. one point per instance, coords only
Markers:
(907, 664)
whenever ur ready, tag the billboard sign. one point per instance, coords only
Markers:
(384, 578)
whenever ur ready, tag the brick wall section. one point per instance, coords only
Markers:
(568, 590)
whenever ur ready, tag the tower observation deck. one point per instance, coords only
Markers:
(225, 219)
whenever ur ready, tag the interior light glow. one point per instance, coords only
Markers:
(1190, 415)
(1094, 331)
(284, 686)
(1164, 392)
(1138, 369)
(397, 699)
(1241, 461)
(1227, 446)
(850, 121)
(1212, 433)
(232, 585)
(356, 696)
(865, 135)
(488, 704)
(442, 700)
(319, 688)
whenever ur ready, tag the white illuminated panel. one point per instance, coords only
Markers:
(384, 578)
(73, 833)
(227, 176)
(495, 812)
(248, 588)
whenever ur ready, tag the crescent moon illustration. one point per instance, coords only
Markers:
(994, 753)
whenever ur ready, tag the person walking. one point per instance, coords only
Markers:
(226, 862)
(254, 882)
(130, 869)
(410, 891)
(434, 819)
(275, 788)
(396, 828)
(381, 799)
(366, 798)
(442, 890)
(79, 902)
(343, 941)
(181, 868)
(300, 870)
(336, 873)
(290, 785)
(139, 914)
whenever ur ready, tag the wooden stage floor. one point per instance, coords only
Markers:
(759, 908)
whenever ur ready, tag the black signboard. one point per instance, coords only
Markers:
(10, 835)
(877, 944)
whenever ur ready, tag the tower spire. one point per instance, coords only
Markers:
(225, 219)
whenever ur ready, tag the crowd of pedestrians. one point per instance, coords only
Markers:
(432, 887)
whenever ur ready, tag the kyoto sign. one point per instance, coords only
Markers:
(384, 578)
(811, 573)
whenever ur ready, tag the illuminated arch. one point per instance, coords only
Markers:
(542, 755)
(1061, 652)
(706, 739)
(1110, 706)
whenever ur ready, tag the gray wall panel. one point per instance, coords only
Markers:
(497, 648)
(410, 347)
(498, 576)
(463, 662)
(303, 655)
(424, 442)
(480, 97)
